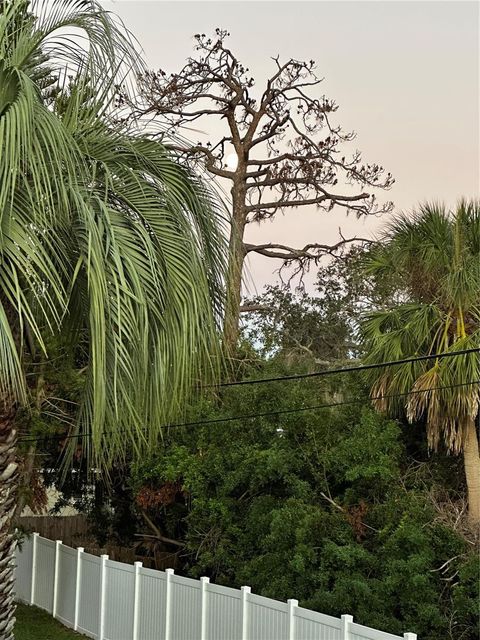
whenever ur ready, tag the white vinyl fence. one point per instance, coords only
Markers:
(109, 600)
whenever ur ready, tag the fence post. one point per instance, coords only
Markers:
(245, 592)
(78, 579)
(291, 618)
(55, 577)
(103, 582)
(346, 622)
(34, 567)
(410, 636)
(168, 603)
(136, 598)
(204, 586)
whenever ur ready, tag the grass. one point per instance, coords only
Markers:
(35, 624)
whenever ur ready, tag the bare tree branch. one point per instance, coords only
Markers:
(251, 308)
(311, 251)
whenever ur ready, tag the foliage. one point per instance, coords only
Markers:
(434, 254)
(296, 325)
(325, 506)
(323, 324)
(108, 246)
(110, 298)
(339, 507)
(108, 243)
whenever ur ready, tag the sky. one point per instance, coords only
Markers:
(404, 74)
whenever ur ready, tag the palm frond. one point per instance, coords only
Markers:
(436, 256)
(106, 240)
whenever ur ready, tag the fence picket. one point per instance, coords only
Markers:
(34, 567)
(291, 618)
(103, 581)
(203, 631)
(136, 598)
(346, 621)
(78, 578)
(245, 592)
(168, 603)
(55, 577)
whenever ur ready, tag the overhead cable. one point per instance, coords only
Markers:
(264, 414)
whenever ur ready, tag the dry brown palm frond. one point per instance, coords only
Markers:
(451, 433)
(446, 416)
(424, 397)
(379, 392)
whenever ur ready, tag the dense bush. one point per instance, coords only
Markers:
(334, 507)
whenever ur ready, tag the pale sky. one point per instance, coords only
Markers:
(405, 76)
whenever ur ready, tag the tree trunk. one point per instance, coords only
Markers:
(25, 474)
(234, 273)
(8, 485)
(24, 481)
(472, 472)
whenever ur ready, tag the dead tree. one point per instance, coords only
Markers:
(285, 147)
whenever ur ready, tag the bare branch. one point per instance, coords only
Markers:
(282, 204)
(311, 251)
(158, 534)
(210, 159)
(251, 308)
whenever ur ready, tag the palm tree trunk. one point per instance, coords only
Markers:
(472, 472)
(24, 481)
(8, 485)
(25, 473)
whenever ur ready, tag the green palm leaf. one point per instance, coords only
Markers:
(106, 240)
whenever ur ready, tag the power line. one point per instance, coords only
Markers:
(363, 367)
(262, 415)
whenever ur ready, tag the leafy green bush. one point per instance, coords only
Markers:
(322, 506)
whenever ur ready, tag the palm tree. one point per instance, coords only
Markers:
(434, 255)
(106, 243)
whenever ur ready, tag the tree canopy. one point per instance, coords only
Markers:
(93, 215)
(281, 149)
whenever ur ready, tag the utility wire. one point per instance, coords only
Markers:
(363, 367)
(261, 415)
